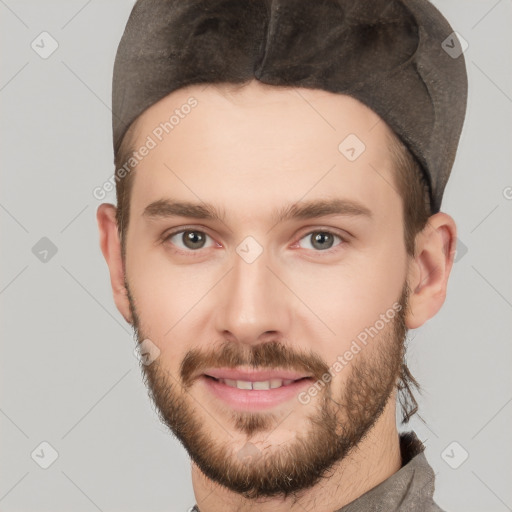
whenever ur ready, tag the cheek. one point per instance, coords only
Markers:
(351, 296)
(361, 312)
(174, 302)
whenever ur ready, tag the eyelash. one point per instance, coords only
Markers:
(189, 252)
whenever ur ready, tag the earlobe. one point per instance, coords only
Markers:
(430, 269)
(110, 245)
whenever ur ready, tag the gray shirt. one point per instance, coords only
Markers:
(410, 489)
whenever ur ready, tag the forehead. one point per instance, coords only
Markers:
(257, 143)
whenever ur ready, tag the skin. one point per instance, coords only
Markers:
(250, 151)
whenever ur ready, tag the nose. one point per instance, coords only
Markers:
(253, 303)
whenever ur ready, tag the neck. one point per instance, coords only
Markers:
(375, 459)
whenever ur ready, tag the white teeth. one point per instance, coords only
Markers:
(261, 385)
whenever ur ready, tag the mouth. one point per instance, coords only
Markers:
(251, 390)
(256, 385)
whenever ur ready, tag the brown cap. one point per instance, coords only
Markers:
(401, 58)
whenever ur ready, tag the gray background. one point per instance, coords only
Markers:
(68, 373)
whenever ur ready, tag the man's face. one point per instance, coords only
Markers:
(255, 298)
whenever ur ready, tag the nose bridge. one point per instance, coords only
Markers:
(252, 299)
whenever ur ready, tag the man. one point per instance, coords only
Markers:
(280, 167)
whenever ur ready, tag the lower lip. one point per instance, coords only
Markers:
(254, 399)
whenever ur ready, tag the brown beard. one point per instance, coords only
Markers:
(336, 425)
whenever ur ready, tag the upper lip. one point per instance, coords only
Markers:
(254, 376)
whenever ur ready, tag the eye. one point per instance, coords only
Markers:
(188, 239)
(321, 240)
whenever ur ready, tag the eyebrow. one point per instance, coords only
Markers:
(164, 208)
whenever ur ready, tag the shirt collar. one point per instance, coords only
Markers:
(410, 488)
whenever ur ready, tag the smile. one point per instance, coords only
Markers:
(256, 392)
(259, 385)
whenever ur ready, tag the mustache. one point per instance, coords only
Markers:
(267, 355)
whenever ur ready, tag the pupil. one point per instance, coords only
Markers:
(193, 239)
(321, 237)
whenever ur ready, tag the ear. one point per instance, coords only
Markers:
(111, 248)
(430, 268)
